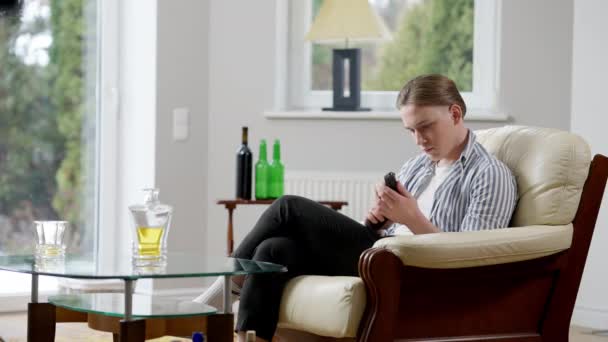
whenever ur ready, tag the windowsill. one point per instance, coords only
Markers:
(309, 114)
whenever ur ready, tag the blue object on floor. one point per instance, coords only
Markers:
(198, 337)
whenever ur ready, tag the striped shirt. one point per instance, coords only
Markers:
(479, 192)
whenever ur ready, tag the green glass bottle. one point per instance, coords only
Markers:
(262, 174)
(277, 171)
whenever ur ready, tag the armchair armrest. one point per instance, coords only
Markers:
(479, 248)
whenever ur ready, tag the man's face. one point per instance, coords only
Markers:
(434, 128)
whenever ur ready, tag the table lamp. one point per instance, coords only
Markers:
(347, 21)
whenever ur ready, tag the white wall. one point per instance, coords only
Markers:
(164, 65)
(182, 82)
(535, 90)
(589, 119)
(536, 61)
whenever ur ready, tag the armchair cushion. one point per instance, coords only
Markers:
(325, 306)
(550, 167)
(479, 248)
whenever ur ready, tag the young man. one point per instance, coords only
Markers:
(454, 185)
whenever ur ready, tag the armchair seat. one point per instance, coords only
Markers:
(479, 248)
(325, 306)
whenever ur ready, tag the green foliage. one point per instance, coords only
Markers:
(28, 138)
(321, 58)
(433, 36)
(68, 98)
(41, 109)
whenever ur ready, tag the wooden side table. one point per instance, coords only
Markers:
(231, 205)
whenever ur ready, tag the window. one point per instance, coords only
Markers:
(49, 126)
(456, 38)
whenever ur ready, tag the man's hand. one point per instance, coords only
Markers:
(401, 207)
(398, 206)
(374, 215)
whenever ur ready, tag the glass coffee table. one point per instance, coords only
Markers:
(133, 317)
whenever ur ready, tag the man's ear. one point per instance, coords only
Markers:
(455, 113)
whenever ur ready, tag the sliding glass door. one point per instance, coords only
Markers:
(49, 131)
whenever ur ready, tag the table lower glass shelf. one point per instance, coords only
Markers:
(144, 306)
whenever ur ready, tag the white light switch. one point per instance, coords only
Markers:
(180, 124)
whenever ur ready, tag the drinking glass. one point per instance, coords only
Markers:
(50, 244)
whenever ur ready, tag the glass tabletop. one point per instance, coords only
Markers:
(179, 265)
(144, 306)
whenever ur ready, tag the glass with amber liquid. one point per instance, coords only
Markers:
(152, 221)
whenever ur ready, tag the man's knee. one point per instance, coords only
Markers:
(278, 250)
(289, 199)
(288, 206)
(293, 204)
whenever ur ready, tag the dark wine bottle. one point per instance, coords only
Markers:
(243, 169)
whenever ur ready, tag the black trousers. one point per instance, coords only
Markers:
(307, 238)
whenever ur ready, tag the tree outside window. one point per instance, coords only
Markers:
(46, 133)
(429, 36)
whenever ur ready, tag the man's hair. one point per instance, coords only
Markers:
(430, 90)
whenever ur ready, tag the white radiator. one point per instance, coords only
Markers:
(356, 188)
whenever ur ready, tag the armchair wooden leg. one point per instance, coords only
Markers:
(381, 272)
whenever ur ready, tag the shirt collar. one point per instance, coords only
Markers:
(469, 148)
(464, 155)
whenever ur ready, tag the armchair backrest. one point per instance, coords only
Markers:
(550, 167)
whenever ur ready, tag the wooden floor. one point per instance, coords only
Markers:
(13, 329)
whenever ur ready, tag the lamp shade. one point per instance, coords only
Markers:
(351, 20)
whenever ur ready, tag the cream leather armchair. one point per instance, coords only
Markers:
(514, 284)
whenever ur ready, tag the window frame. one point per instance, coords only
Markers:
(482, 101)
(108, 112)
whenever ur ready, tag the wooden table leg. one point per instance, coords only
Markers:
(133, 331)
(230, 237)
(40, 322)
(220, 328)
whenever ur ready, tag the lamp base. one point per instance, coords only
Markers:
(346, 80)
(343, 109)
